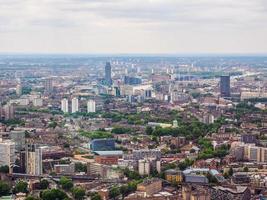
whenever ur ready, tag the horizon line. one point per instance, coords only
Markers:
(131, 54)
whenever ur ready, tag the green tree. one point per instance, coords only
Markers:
(66, 183)
(149, 130)
(95, 196)
(44, 184)
(54, 194)
(4, 169)
(21, 186)
(4, 188)
(132, 186)
(124, 190)
(78, 193)
(114, 192)
(120, 130)
(80, 167)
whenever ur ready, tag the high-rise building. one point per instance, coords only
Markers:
(143, 167)
(18, 137)
(108, 74)
(225, 86)
(48, 85)
(8, 111)
(65, 105)
(91, 108)
(19, 90)
(34, 160)
(7, 153)
(74, 105)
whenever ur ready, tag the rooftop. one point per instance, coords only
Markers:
(108, 153)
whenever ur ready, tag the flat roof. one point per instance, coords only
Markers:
(108, 153)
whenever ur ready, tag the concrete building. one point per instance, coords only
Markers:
(8, 111)
(143, 167)
(248, 138)
(37, 102)
(65, 168)
(34, 160)
(7, 153)
(65, 105)
(146, 154)
(18, 137)
(174, 175)
(74, 105)
(91, 106)
(150, 186)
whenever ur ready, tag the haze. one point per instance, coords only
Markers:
(133, 26)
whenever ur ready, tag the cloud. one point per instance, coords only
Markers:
(154, 25)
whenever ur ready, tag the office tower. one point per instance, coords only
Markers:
(8, 111)
(7, 153)
(48, 85)
(91, 108)
(65, 105)
(108, 74)
(225, 86)
(34, 160)
(19, 90)
(74, 105)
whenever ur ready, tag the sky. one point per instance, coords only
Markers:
(133, 26)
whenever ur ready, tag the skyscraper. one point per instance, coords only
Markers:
(91, 106)
(48, 85)
(74, 105)
(225, 86)
(65, 105)
(108, 74)
(34, 160)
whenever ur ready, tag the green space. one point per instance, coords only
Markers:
(95, 134)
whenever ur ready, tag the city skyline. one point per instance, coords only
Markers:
(149, 27)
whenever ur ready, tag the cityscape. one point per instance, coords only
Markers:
(133, 100)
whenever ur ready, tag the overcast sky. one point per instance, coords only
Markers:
(133, 26)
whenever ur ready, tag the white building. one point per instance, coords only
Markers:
(34, 160)
(19, 90)
(37, 102)
(7, 153)
(91, 108)
(65, 105)
(74, 105)
(143, 167)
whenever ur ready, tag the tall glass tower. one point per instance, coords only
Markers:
(108, 74)
(225, 86)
